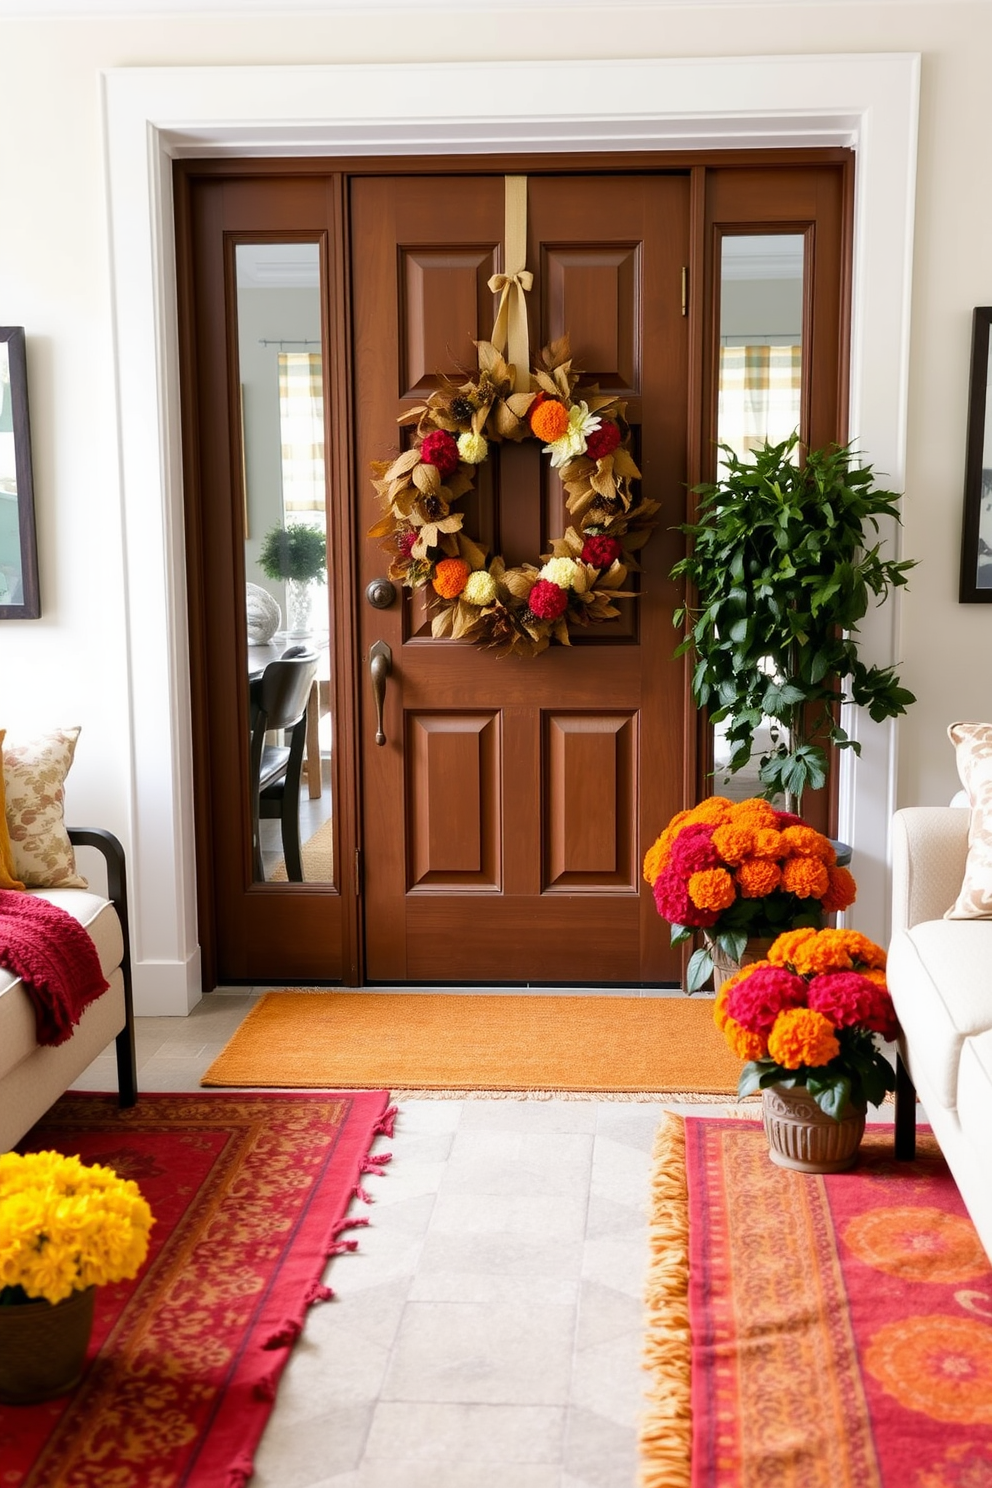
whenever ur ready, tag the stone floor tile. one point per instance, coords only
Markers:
(606, 1313)
(608, 1379)
(511, 1255)
(494, 1286)
(619, 1261)
(529, 1115)
(499, 1354)
(398, 1473)
(619, 1172)
(296, 1449)
(557, 1218)
(512, 1162)
(634, 1123)
(598, 1452)
(471, 1434)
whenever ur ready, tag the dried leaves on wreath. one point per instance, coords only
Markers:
(472, 594)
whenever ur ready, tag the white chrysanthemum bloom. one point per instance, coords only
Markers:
(472, 448)
(581, 423)
(560, 571)
(480, 589)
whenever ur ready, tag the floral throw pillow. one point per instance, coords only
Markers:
(7, 879)
(34, 786)
(973, 748)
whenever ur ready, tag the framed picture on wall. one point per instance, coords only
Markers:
(19, 598)
(976, 545)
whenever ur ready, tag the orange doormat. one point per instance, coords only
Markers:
(658, 1046)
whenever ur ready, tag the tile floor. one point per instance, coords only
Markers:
(487, 1332)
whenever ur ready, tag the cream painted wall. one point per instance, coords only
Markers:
(71, 666)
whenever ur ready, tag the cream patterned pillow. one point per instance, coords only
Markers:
(34, 785)
(973, 747)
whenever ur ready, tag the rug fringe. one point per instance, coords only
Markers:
(666, 1429)
(676, 1097)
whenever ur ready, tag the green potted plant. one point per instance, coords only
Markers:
(785, 562)
(296, 554)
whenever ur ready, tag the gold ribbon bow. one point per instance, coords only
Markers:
(510, 335)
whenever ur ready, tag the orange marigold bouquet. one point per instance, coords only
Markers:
(741, 870)
(810, 1015)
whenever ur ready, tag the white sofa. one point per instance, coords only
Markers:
(33, 1076)
(940, 977)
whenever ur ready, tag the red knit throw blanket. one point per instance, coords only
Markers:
(54, 957)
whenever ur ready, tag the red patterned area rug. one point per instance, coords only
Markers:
(250, 1196)
(840, 1326)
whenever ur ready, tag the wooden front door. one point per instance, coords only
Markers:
(504, 818)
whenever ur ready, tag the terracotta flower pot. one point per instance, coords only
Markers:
(43, 1347)
(802, 1137)
(724, 966)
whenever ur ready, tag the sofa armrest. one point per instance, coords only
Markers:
(113, 854)
(929, 850)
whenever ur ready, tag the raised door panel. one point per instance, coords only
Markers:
(592, 293)
(590, 802)
(445, 302)
(453, 800)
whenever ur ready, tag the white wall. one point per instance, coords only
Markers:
(72, 665)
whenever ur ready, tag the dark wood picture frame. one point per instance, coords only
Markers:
(19, 595)
(976, 539)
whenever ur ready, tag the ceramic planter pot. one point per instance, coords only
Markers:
(804, 1138)
(43, 1347)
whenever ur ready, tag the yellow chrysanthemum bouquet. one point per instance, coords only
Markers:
(740, 870)
(66, 1225)
(809, 1015)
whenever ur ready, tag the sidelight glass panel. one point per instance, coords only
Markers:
(281, 375)
(760, 387)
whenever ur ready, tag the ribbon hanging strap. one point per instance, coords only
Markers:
(510, 335)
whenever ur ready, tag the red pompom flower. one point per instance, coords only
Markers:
(600, 550)
(548, 601)
(671, 895)
(756, 1001)
(405, 543)
(440, 449)
(602, 441)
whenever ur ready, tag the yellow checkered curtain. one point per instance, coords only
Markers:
(759, 395)
(301, 424)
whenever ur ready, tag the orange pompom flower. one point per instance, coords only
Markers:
(733, 843)
(712, 812)
(755, 812)
(841, 890)
(802, 1036)
(656, 857)
(756, 877)
(862, 951)
(805, 877)
(549, 420)
(450, 577)
(768, 844)
(788, 949)
(808, 842)
(712, 889)
(720, 1014)
(745, 1044)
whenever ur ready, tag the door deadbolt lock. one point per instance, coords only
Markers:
(380, 593)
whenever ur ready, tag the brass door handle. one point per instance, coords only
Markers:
(380, 666)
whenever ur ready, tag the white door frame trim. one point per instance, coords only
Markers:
(153, 115)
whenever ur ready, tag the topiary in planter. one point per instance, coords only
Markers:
(294, 552)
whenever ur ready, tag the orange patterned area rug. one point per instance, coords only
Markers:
(841, 1326)
(250, 1196)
